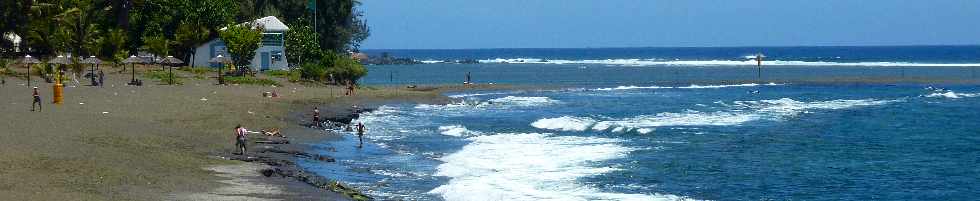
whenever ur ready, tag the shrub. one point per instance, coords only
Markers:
(196, 70)
(251, 81)
(292, 76)
(163, 77)
(341, 68)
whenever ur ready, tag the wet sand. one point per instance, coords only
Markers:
(160, 142)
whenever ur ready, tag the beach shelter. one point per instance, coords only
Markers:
(28, 60)
(133, 60)
(220, 60)
(95, 62)
(170, 61)
(62, 61)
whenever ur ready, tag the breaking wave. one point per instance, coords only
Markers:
(693, 86)
(532, 166)
(740, 113)
(952, 95)
(457, 130)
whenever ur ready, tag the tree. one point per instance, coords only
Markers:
(114, 46)
(188, 35)
(340, 67)
(347, 69)
(157, 45)
(301, 44)
(340, 25)
(79, 21)
(242, 41)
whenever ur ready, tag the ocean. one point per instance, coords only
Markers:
(815, 123)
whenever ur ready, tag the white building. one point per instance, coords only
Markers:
(271, 54)
(15, 39)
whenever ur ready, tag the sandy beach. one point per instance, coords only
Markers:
(161, 142)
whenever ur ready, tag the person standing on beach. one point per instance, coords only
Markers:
(360, 134)
(241, 138)
(316, 117)
(101, 79)
(37, 100)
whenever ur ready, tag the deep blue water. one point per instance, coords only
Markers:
(667, 132)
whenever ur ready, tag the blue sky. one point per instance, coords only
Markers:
(459, 24)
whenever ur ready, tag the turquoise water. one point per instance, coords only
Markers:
(619, 132)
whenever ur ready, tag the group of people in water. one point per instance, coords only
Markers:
(241, 134)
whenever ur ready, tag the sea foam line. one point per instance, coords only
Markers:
(740, 112)
(952, 95)
(693, 86)
(749, 62)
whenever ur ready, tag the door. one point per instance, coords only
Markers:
(265, 61)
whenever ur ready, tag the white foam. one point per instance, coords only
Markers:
(565, 123)
(631, 87)
(739, 113)
(457, 130)
(475, 94)
(952, 95)
(747, 62)
(523, 101)
(789, 107)
(693, 86)
(689, 118)
(531, 167)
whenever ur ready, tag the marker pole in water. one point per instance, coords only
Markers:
(758, 64)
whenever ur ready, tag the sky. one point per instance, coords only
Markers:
(468, 24)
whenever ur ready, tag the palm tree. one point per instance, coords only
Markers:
(115, 41)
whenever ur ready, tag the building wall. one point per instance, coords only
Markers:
(214, 47)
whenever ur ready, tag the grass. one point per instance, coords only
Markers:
(251, 81)
(163, 77)
(200, 71)
(292, 76)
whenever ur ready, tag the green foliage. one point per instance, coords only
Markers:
(301, 44)
(345, 68)
(163, 76)
(251, 81)
(79, 33)
(105, 28)
(4, 70)
(114, 46)
(188, 35)
(340, 25)
(196, 70)
(340, 68)
(157, 45)
(242, 41)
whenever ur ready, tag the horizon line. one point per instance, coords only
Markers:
(638, 47)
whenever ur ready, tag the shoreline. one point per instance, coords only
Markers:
(172, 139)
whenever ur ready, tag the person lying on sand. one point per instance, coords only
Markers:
(272, 132)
